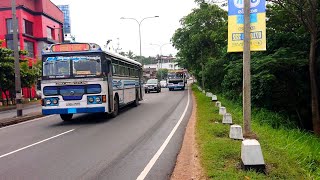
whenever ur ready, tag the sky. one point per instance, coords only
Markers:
(99, 20)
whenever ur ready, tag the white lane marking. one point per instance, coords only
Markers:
(25, 122)
(146, 170)
(39, 142)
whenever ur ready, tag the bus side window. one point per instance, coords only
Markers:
(121, 70)
(126, 71)
(113, 70)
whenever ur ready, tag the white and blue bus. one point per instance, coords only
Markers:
(81, 78)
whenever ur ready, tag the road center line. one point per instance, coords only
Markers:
(15, 151)
(151, 163)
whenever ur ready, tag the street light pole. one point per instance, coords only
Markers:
(160, 46)
(16, 61)
(139, 24)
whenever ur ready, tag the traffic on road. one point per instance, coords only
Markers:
(140, 142)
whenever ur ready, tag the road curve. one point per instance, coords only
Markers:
(93, 147)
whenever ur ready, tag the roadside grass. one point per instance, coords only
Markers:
(288, 153)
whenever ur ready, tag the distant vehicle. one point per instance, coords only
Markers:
(152, 85)
(163, 83)
(176, 80)
(81, 78)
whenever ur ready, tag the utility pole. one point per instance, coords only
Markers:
(16, 60)
(246, 71)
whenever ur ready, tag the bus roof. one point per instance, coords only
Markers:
(67, 48)
(123, 57)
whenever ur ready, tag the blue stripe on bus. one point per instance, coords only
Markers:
(73, 110)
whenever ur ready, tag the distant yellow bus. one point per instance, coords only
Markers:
(176, 79)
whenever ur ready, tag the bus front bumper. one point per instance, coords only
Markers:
(176, 86)
(73, 110)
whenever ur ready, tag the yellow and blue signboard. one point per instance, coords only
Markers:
(236, 25)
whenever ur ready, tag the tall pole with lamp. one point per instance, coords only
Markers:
(16, 61)
(139, 23)
(160, 46)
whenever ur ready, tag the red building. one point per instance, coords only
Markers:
(39, 23)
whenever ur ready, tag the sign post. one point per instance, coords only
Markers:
(246, 33)
(246, 71)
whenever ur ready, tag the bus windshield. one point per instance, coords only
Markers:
(82, 66)
(175, 76)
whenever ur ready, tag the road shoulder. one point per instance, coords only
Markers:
(188, 163)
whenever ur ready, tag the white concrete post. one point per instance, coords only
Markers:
(236, 132)
(222, 110)
(209, 94)
(227, 118)
(251, 154)
(203, 91)
(214, 98)
(218, 104)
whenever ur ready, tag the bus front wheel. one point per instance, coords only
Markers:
(115, 107)
(66, 117)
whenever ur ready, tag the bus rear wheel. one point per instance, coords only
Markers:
(115, 107)
(66, 117)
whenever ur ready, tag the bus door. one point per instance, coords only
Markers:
(110, 85)
(140, 85)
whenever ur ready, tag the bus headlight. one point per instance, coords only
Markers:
(48, 102)
(90, 99)
(55, 101)
(94, 100)
(52, 101)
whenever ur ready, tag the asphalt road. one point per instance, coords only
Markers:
(141, 142)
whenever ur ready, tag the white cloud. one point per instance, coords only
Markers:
(99, 20)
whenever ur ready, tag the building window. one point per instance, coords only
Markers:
(9, 44)
(9, 26)
(50, 33)
(29, 46)
(28, 27)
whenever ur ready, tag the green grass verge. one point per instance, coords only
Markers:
(288, 153)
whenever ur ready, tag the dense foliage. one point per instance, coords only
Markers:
(280, 75)
(7, 77)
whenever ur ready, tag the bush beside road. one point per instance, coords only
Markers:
(288, 153)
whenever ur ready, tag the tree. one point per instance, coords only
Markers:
(28, 76)
(307, 13)
(163, 73)
(279, 75)
(6, 70)
(202, 39)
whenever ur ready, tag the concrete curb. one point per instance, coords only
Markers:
(15, 120)
(11, 107)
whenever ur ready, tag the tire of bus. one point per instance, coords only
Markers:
(116, 107)
(182, 88)
(136, 101)
(66, 117)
